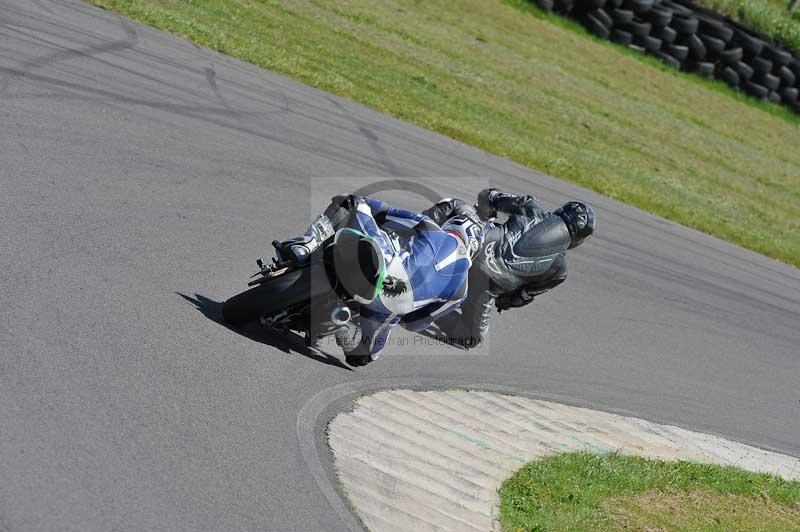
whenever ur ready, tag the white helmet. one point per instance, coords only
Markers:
(468, 229)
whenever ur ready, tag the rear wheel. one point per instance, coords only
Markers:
(276, 294)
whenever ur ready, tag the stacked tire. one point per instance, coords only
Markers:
(686, 36)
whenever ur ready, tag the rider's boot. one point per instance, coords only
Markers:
(348, 338)
(355, 350)
(298, 249)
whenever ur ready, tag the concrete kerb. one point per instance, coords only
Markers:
(433, 460)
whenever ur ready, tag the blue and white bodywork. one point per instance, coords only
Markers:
(426, 271)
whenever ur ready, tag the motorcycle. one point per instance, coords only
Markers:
(296, 293)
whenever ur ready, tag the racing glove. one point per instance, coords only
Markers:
(516, 299)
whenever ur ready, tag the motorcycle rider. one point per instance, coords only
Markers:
(401, 266)
(520, 259)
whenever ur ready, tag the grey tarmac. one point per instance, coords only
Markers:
(141, 175)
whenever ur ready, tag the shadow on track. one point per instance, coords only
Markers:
(289, 343)
(436, 334)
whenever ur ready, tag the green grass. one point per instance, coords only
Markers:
(767, 16)
(574, 492)
(535, 88)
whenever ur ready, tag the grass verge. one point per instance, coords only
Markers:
(536, 89)
(767, 16)
(582, 491)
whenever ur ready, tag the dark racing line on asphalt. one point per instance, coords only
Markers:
(130, 185)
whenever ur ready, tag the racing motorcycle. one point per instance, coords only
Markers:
(299, 290)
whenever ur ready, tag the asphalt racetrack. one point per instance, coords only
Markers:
(140, 177)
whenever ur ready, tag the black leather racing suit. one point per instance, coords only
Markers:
(519, 259)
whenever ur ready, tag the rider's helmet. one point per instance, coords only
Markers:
(579, 218)
(359, 264)
(467, 227)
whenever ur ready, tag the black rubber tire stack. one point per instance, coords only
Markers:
(693, 38)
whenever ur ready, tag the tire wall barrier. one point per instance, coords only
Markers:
(694, 39)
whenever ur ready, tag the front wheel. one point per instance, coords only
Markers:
(276, 294)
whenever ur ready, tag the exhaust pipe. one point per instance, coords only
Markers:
(341, 315)
(347, 333)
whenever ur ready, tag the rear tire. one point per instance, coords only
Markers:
(277, 294)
